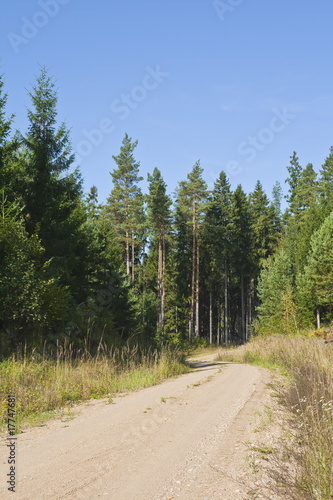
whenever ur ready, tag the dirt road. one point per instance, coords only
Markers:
(182, 439)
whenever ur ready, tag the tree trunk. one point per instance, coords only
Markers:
(210, 318)
(127, 255)
(133, 257)
(144, 284)
(218, 324)
(225, 302)
(250, 312)
(197, 289)
(193, 275)
(159, 282)
(176, 320)
(163, 286)
(318, 318)
(242, 310)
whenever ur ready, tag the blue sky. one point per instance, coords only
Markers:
(238, 84)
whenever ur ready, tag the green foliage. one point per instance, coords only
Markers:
(325, 185)
(316, 283)
(48, 387)
(295, 171)
(125, 203)
(277, 311)
(30, 300)
(73, 268)
(262, 227)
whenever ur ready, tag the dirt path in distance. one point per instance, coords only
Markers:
(182, 439)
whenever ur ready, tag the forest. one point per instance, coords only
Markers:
(200, 266)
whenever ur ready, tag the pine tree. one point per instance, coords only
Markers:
(191, 197)
(125, 203)
(159, 221)
(197, 190)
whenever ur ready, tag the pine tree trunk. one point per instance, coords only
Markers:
(193, 275)
(159, 282)
(250, 312)
(242, 310)
(225, 302)
(144, 284)
(210, 318)
(127, 255)
(318, 318)
(163, 286)
(176, 320)
(218, 324)
(133, 257)
(197, 289)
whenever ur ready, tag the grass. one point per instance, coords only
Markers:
(49, 385)
(308, 397)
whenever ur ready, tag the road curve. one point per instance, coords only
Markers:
(181, 439)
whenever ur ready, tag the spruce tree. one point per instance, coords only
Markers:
(7, 145)
(262, 227)
(276, 208)
(316, 285)
(325, 185)
(216, 251)
(241, 245)
(51, 193)
(295, 171)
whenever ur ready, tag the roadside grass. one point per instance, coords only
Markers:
(308, 397)
(46, 386)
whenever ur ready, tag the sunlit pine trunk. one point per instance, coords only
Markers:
(210, 317)
(193, 274)
(318, 318)
(159, 282)
(250, 312)
(242, 310)
(218, 324)
(144, 284)
(127, 253)
(197, 288)
(163, 286)
(133, 257)
(225, 302)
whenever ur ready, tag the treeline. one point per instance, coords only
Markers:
(145, 266)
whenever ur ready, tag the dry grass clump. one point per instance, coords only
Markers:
(308, 397)
(44, 383)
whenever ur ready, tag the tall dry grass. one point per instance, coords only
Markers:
(53, 380)
(308, 397)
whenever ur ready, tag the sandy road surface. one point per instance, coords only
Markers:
(188, 445)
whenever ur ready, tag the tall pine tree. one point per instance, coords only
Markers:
(125, 203)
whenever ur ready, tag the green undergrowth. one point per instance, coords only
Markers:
(44, 387)
(307, 395)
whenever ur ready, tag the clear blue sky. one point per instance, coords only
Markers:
(237, 84)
